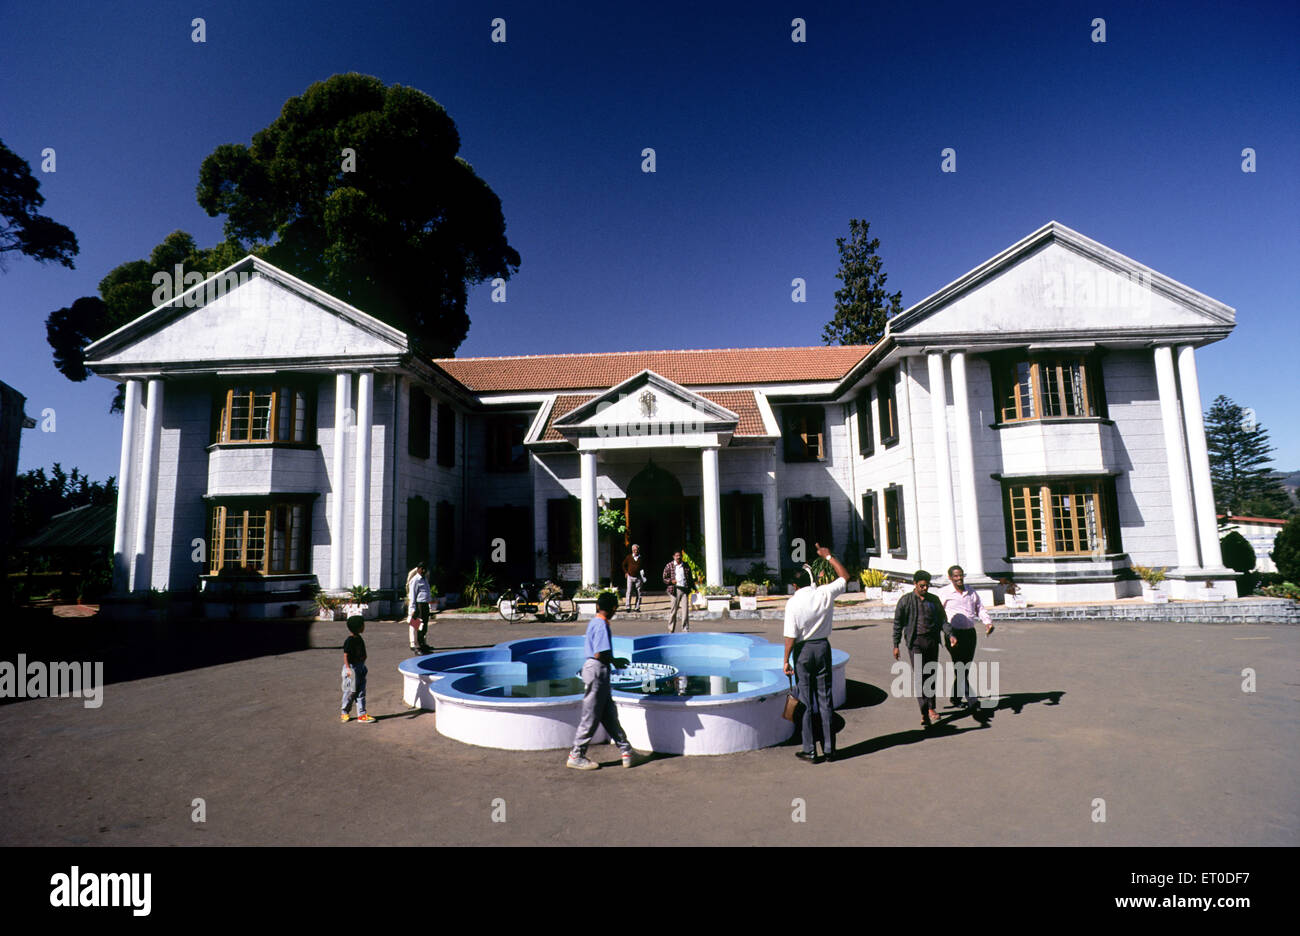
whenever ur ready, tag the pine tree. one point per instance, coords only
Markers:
(1244, 483)
(862, 307)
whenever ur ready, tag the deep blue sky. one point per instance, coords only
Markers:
(766, 148)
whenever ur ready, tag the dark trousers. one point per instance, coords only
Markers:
(812, 670)
(962, 654)
(926, 647)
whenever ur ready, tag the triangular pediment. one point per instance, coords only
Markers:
(1059, 282)
(647, 404)
(248, 313)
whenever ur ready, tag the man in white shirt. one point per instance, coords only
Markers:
(963, 606)
(677, 576)
(808, 618)
(419, 595)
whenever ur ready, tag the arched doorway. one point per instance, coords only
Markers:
(655, 515)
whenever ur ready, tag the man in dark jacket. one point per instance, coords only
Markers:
(920, 620)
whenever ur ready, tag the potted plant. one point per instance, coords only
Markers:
(748, 592)
(717, 598)
(358, 601)
(761, 576)
(1151, 578)
(586, 599)
(327, 605)
(872, 582)
(478, 586)
(891, 591)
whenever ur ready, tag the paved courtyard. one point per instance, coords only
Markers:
(1149, 717)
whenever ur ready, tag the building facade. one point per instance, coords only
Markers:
(1037, 420)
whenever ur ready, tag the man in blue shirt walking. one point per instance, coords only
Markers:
(597, 700)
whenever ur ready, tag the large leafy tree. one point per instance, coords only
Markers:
(862, 306)
(401, 237)
(1244, 484)
(126, 293)
(357, 189)
(22, 228)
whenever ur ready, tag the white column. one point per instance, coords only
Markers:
(712, 518)
(942, 460)
(342, 403)
(361, 493)
(1180, 496)
(972, 558)
(143, 564)
(122, 564)
(1207, 526)
(587, 492)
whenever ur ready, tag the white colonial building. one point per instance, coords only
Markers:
(1038, 419)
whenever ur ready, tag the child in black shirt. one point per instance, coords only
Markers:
(354, 671)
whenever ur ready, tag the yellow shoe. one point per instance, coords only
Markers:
(367, 718)
(344, 717)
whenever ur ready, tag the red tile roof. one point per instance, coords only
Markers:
(598, 371)
(740, 402)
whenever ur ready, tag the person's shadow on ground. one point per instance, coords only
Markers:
(981, 717)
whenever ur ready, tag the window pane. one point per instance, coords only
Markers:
(239, 408)
(215, 543)
(261, 426)
(297, 539)
(280, 538)
(893, 538)
(255, 541)
(234, 538)
(300, 416)
(283, 413)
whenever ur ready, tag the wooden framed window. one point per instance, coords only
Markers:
(888, 407)
(417, 424)
(446, 436)
(264, 413)
(261, 537)
(804, 432)
(866, 444)
(417, 531)
(809, 519)
(505, 443)
(742, 525)
(446, 534)
(895, 533)
(1061, 518)
(870, 524)
(1048, 388)
(564, 529)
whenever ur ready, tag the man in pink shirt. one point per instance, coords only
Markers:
(962, 606)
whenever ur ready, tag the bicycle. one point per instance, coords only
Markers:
(546, 601)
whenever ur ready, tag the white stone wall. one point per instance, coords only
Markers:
(180, 513)
(1142, 489)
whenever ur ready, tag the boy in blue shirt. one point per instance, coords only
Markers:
(597, 701)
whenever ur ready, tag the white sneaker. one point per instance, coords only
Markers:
(630, 759)
(581, 763)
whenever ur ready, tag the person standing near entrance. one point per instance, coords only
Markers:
(632, 568)
(963, 606)
(920, 620)
(808, 618)
(678, 578)
(420, 597)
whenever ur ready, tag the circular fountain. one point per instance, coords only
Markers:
(696, 693)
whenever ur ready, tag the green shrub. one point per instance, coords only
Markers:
(1238, 554)
(1286, 550)
(747, 589)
